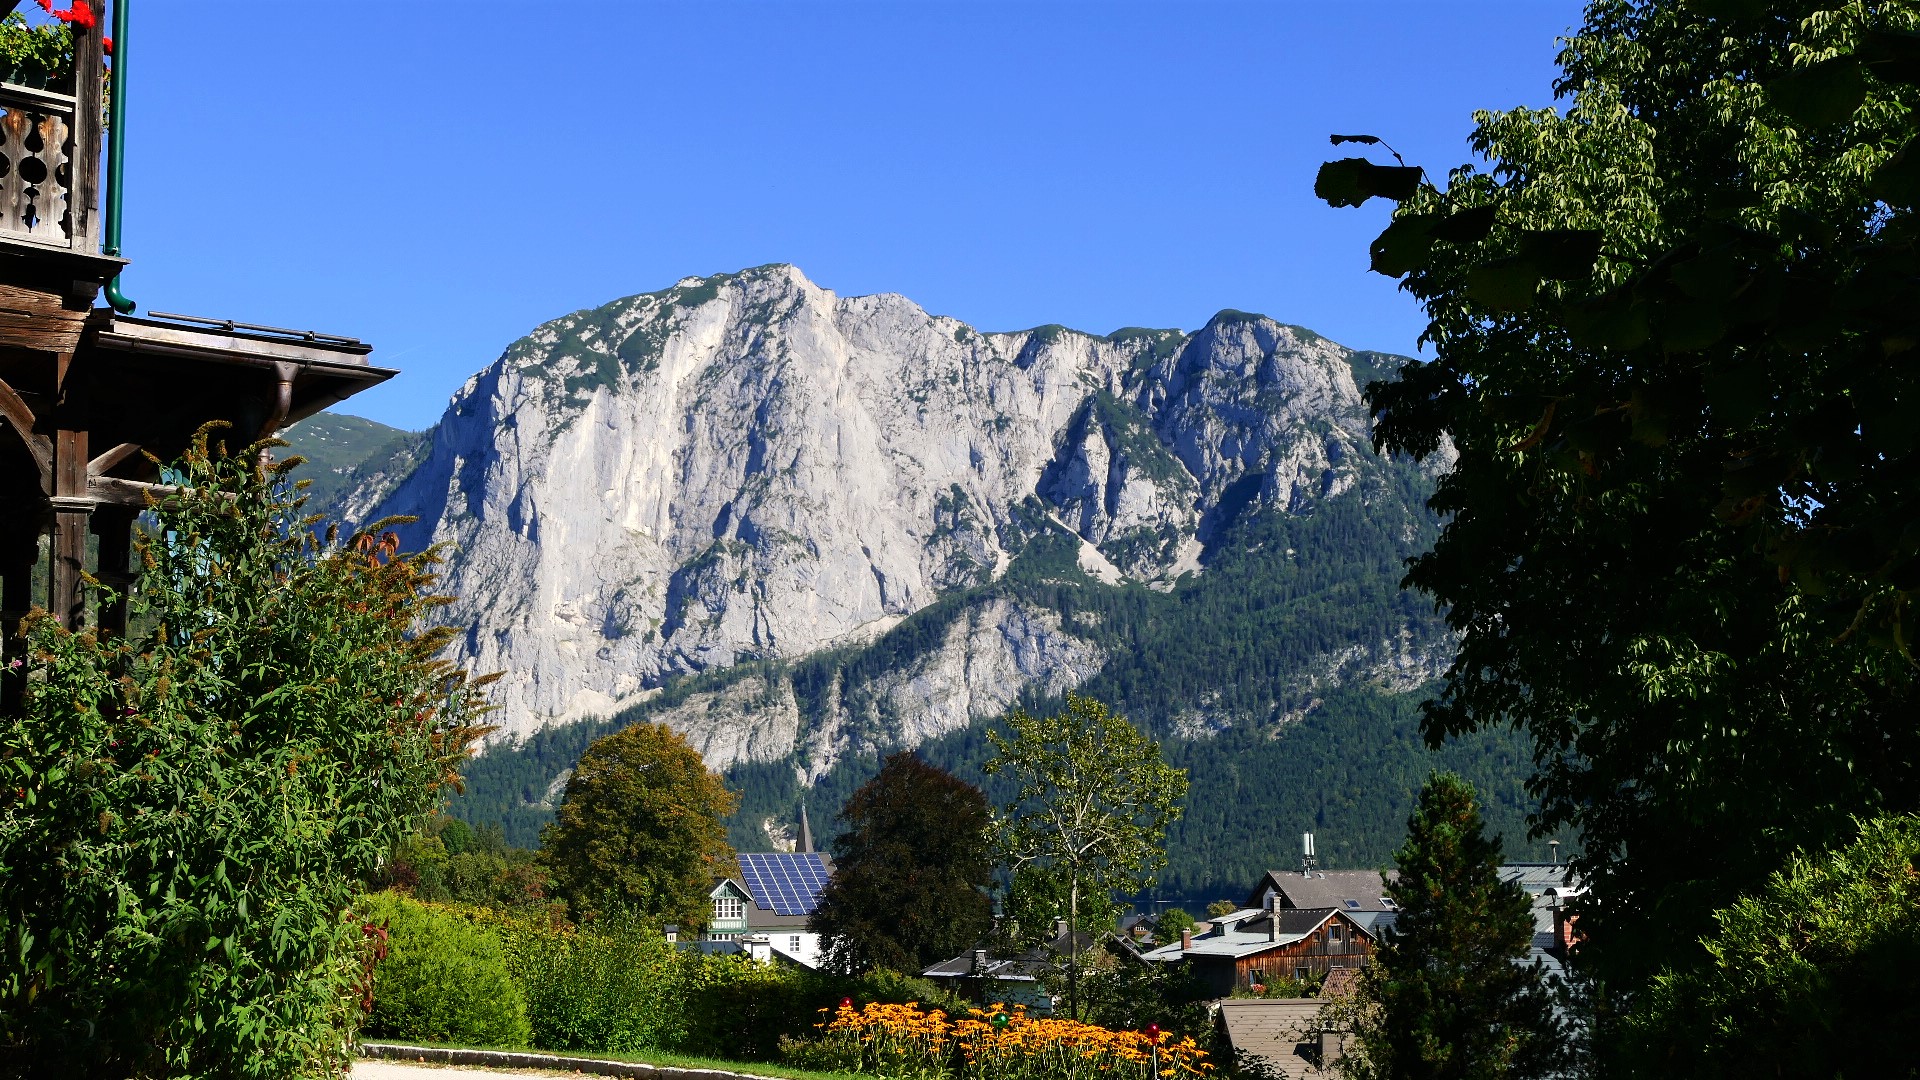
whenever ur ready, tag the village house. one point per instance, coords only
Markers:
(984, 979)
(1257, 947)
(771, 903)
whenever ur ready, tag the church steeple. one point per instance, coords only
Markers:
(806, 831)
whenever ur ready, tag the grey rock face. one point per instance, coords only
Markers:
(749, 466)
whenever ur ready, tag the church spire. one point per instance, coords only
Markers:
(806, 831)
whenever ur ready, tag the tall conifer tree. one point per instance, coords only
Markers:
(1445, 996)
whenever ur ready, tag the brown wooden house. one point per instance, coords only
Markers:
(1260, 946)
(87, 391)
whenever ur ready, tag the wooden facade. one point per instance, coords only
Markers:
(1324, 940)
(86, 393)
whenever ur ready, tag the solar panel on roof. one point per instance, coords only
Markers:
(789, 883)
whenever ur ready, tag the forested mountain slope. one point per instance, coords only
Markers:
(806, 529)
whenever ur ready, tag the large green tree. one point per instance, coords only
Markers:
(188, 810)
(1090, 811)
(639, 829)
(910, 873)
(1812, 975)
(1673, 330)
(1444, 997)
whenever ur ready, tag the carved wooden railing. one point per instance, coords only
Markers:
(37, 193)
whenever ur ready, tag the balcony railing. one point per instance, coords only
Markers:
(37, 192)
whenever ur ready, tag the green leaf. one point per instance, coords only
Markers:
(1467, 226)
(1898, 181)
(1691, 325)
(1728, 9)
(1505, 284)
(1352, 181)
(1561, 254)
(1402, 247)
(1891, 55)
(1825, 94)
(1713, 276)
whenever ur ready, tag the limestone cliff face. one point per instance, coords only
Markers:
(749, 466)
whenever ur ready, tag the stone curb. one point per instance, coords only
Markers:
(518, 1059)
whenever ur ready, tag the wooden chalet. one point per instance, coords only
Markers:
(88, 390)
(1263, 945)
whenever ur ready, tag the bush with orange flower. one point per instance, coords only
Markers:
(906, 1042)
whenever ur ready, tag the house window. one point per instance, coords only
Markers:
(1387, 902)
(728, 909)
(1300, 973)
(1334, 934)
(793, 943)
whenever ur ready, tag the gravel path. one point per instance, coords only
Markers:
(393, 1070)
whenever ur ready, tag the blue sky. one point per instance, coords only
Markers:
(439, 178)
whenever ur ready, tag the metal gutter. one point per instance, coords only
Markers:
(117, 140)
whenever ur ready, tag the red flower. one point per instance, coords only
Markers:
(81, 14)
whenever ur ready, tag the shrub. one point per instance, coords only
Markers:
(444, 979)
(191, 806)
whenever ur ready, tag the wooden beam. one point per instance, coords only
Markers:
(19, 416)
(108, 460)
(72, 505)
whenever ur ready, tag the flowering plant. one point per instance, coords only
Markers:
(995, 1043)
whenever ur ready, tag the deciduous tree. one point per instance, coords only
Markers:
(1092, 804)
(640, 830)
(1443, 996)
(910, 873)
(1673, 331)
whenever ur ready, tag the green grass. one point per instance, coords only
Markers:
(652, 1057)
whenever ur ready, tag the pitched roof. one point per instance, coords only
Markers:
(1283, 1031)
(1347, 890)
(1249, 932)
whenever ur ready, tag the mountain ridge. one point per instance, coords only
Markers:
(805, 529)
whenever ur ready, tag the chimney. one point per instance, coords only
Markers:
(1306, 854)
(1059, 928)
(1554, 846)
(1273, 925)
(1186, 939)
(673, 933)
(806, 831)
(979, 961)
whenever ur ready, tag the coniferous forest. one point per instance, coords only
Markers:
(1230, 669)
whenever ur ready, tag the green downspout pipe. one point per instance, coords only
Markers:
(117, 140)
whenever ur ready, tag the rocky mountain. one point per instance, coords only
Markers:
(750, 467)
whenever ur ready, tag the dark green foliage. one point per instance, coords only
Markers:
(189, 810)
(448, 861)
(615, 986)
(1674, 354)
(340, 450)
(443, 979)
(1443, 997)
(1126, 994)
(639, 830)
(36, 56)
(1811, 976)
(910, 871)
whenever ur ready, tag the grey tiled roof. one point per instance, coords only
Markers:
(1282, 1031)
(1348, 890)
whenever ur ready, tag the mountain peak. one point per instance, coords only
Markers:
(747, 466)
